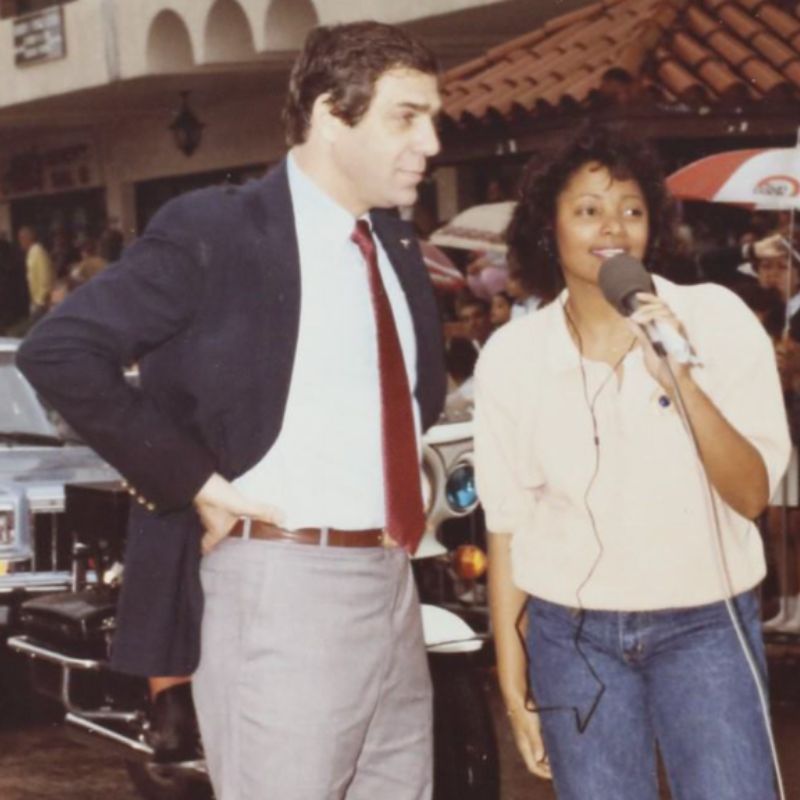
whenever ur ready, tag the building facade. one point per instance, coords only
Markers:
(91, 88)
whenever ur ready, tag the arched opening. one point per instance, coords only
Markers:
(288, 22)
(169, 48)
(228, 35)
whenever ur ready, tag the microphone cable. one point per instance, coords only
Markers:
(725, 578)
(583, 722)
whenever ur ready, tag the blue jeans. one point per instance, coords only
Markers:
(677, 678)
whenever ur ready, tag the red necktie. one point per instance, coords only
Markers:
(405, 517)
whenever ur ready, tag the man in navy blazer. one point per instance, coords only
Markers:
(221, 303)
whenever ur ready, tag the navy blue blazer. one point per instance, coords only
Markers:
(207, 302)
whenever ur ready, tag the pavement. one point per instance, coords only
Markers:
(39, 760)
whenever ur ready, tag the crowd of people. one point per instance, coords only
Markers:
(35, 278)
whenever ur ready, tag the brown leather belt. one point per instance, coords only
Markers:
(330, 537)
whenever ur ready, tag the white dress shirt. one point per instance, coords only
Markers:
(325, 468)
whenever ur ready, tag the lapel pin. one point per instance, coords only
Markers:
(406, 243)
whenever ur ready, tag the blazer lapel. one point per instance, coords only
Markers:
(280, 259)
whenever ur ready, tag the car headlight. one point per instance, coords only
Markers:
(460, 490)
(469, 562)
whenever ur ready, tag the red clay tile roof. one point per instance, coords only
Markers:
(710, 52)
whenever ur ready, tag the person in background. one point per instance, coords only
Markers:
(14, 299)
(524, 300)
(59, 292)
(601, 543)
(38, 269)
(460, 357)
(736, 264)
(780, 273)
(90, 264)
(63, 252)
(500, 309)
(473, 314)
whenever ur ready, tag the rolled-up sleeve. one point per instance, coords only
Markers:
(496, 423)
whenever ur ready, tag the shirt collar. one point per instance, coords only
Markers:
(318, 209)
(561, 352)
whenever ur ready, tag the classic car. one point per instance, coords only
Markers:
(38, 456)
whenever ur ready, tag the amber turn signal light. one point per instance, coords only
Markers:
(469, 562)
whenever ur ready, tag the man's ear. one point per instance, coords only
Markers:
(323, 119)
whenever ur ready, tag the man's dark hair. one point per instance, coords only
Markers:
(459, 358)
(470, 301)
(531, 237)
(345, 62)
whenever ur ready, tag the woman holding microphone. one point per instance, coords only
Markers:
(610, 563)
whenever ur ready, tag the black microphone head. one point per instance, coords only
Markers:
(620, 278)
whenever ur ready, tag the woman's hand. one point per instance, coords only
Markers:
(506, 603)
(528, 737)
(652, 308)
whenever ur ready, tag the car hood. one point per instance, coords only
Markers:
(65, 464)
(41, 472)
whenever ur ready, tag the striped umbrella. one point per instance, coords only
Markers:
(442, 271)
(762, 178)
(480, 227)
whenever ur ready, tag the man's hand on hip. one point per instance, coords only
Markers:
(219, 505)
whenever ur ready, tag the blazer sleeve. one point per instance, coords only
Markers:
(75, 357)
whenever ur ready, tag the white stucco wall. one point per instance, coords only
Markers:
(108, 39)
(84, 66)
(236, 134)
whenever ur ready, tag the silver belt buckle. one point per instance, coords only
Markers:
(323, 536)
(247, 525)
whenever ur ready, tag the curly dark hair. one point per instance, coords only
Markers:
(345, 61)
(533, 251)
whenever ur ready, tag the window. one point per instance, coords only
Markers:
(16, 8)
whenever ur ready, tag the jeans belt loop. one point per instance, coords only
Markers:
(323, 536)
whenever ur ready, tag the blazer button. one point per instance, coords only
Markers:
(151, 506)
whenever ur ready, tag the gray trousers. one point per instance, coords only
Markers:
(313, 681)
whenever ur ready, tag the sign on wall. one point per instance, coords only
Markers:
(43, 170)
(39, 37)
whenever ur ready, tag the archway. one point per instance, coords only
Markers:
(288, 22)
(228, 36)
(169, 47)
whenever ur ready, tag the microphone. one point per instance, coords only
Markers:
(620, 278)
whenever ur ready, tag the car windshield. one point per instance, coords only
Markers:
(23, 418)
